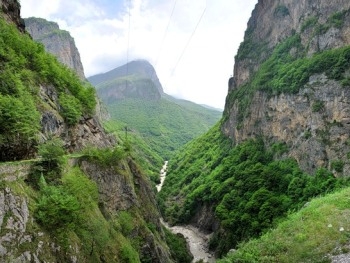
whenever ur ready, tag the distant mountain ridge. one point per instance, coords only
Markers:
(135, 97)
(136, 79)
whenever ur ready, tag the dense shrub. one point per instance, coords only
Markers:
(50, 164)
(178, 247)
(51, 150)
(71, 108)
(56, 209)
(19, 125)
(106, 157)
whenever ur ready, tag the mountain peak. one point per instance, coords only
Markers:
(136, 79)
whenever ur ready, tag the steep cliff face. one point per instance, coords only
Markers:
(290, 81)
(122, 190)
(88, 130)
(273, 21)
(56, 41)
(126, 188)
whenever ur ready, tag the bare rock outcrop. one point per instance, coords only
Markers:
(19, 241)
(123, 187)
(273, 21)
(11, 12)
(56, 41)
(87, 132)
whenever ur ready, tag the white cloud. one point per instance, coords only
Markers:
(102, 34)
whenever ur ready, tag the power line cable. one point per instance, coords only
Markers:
(162, 43)
(128, 45)
(128, 41)
(165, 33)
(189, 40)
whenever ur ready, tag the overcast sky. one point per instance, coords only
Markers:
(191, 43)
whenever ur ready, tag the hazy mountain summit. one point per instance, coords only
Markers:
(135, 97)
(136, 79)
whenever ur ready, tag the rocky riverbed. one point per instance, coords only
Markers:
(197, 241)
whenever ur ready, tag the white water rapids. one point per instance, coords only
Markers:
(197, 241)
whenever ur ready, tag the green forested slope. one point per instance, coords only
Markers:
(164, 125)
(149, 160)
(156, 129)
(249, 191)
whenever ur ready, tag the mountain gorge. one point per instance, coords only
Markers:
(154, 121)
(268, 182)
(282, 141)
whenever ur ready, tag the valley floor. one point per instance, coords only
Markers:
(196, 240)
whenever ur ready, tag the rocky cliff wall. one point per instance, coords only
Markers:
(123, 187)
(273, 21)
(316, 136)
(87, 132)
(11, 11)
(61, 44)
(57, 42)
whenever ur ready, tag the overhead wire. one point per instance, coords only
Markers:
(128, 44)
(164, 36)
(128, 41)
(189, 40)
(165, 33)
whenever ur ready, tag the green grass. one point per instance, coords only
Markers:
(310, 235)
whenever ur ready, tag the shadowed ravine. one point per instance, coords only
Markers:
(197, 241)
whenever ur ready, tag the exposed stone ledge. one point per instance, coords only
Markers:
(12, 172)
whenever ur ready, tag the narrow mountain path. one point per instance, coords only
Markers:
(197, 241)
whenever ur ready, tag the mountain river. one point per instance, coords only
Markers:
(197, 241)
